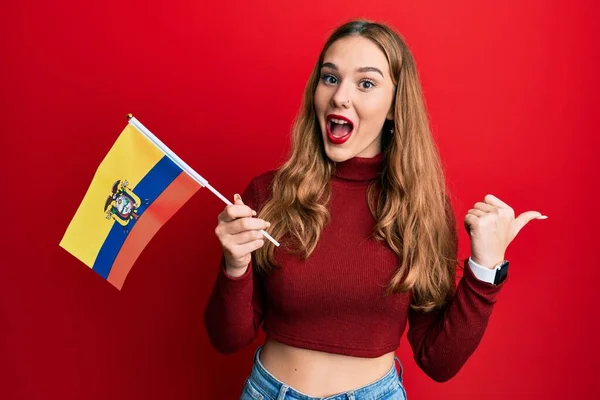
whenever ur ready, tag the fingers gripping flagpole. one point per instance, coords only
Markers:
(181, 164)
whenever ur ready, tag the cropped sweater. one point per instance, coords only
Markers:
(334, 301)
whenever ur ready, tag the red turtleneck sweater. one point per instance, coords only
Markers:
(334, 301)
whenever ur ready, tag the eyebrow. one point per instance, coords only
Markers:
(361, 69)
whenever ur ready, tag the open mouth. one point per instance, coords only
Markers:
(339, 128)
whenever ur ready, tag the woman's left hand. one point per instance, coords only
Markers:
(492, 225)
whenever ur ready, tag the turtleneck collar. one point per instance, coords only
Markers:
(359, 169)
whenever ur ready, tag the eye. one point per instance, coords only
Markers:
(367, 84)
(329, 79)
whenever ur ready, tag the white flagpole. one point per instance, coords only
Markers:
(181, 164)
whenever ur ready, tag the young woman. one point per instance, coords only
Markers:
(368, 240)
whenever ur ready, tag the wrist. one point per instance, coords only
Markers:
(495, 275)
(489, 264)
(235, 272)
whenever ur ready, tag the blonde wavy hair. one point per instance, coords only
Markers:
(413, 212)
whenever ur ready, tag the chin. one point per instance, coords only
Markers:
(338, 154)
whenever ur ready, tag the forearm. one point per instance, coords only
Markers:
(442, 342)
(230, 317)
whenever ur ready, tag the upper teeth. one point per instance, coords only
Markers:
(338, 121)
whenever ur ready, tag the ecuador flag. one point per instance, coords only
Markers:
(135, 190)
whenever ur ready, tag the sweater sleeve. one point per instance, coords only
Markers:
(234, 310)
(444, 339)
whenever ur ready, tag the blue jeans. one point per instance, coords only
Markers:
(261, 385)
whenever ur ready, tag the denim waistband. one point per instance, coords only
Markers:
(276, 389)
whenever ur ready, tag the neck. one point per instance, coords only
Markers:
(359, 169)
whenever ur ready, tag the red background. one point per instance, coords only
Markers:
(512, 92)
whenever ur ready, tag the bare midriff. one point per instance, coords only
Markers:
(321, 374)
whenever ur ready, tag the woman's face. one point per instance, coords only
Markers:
(353, 98)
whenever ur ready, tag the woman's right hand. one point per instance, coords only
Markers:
(239, 235)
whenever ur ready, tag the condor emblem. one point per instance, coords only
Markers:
(123, 205)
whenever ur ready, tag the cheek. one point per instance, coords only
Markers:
(373, 110)
(317, 100)
(320, 99)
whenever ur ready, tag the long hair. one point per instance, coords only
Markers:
(413, 212)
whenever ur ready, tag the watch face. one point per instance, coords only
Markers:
(501, 273)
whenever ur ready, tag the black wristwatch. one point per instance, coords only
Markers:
(501, 272)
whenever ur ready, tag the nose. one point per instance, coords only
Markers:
(342, 97)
